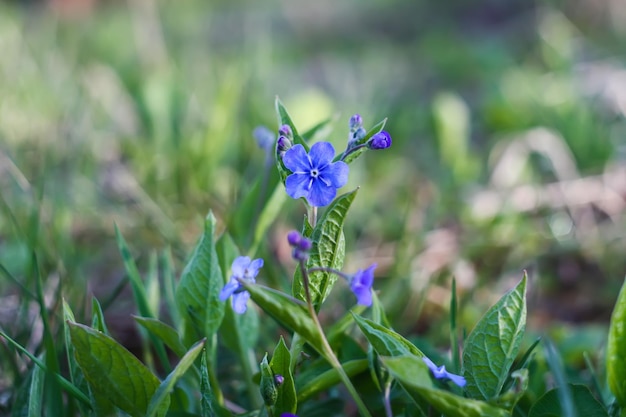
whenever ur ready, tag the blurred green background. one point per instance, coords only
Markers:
(509, 149)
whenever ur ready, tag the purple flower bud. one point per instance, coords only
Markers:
(301, 245)
(285, 130)
(357, 134)
(380, 140)
(356, 122)
(282, 145)
(361, 285)
(278, 380)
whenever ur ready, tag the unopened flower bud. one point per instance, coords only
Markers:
(301, 245)
(356, 122)
(278, 380)
(283, 144)
(285, 130)
(381, 140)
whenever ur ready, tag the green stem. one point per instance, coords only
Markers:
(329, 354)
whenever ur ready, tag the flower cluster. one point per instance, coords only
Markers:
(243, 269)
(300, 244)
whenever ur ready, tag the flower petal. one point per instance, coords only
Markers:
(296, 159)
(229, 289)
(297, 185)
(320, 194)
(336, 173)
(363, 296)
(254, 267)
(321, 154)
(240, 302)
(239, 266)
(457, 379)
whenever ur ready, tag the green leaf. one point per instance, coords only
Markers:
(585, 404)
(328, 251)
(67, 385)
(197, 295)
(160, 400)
(319, 132)
(285, 119)
(330, 378)
(139, 290)
(492, 347)
(164, 332)
(286, 401)
(113, 371)
(413, 374)
(385, 341)
(35, 397)
(101, 405)
(97, 320)
(616, 350)
(288, 312)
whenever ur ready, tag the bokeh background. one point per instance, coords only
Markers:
(509, 152)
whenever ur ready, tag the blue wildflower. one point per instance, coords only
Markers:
(361, 285)
(242, 269)
(381, 140)
(314, 175)
(440, 372)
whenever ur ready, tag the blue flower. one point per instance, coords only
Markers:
(381, 140)
(361, 285)
(242, 269)
(440, 372)
(314, 175)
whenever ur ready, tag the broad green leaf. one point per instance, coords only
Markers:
(65, 384)
(385, 341)
(413, 374)
(160, 400)
(585, 404)
(101, 405)
(164, 332)
(113, 371)
(197, 295)
(239, 332)
(492, 347)
(286, 401)
(330, 378)
(269, 392)
(616, 350)
(36, 394)
(288, 312)
(354, 155)
(328, 251)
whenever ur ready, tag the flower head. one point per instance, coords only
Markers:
(361, 285)
(380, 140)
(356, 122)
(440, 372)
(301, 245)
(242, 269)
(314, 175)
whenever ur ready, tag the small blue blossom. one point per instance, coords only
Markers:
(288, 415)
(381, 140)
(242, 269)
(440, 372)
(361, 285)
(300, 244)
(314, 175)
